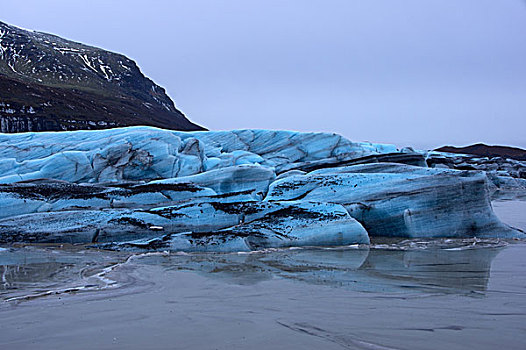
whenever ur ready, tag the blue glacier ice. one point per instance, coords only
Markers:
(402, 200)
(149, 188)
(146, 153)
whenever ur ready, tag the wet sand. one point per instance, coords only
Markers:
(413, 295)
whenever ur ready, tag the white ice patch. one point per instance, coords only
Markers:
(86, 61)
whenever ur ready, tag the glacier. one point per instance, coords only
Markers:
(145, 188)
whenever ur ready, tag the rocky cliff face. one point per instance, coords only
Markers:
(50, 83)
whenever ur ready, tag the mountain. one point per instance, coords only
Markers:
(50, 83)
(483, 150)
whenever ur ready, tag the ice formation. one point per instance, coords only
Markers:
(148, 188)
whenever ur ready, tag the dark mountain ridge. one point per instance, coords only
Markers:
(484, 150)
(50, 83)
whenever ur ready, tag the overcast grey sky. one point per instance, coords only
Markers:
(409, 72)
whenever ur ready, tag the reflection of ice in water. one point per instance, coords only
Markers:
(299, 296)
(18, 276)
(31, 271)
(455, 266)
(442, 266)
(432, 269)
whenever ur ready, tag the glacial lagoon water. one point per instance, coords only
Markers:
(394, 294)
